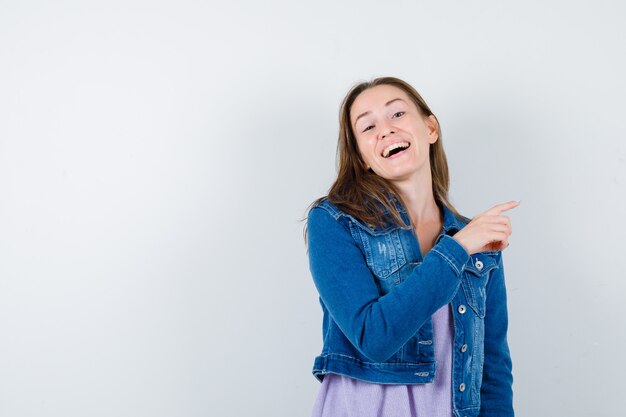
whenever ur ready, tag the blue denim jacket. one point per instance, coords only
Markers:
(378, 295)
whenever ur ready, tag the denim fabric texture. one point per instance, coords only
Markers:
(378, 294)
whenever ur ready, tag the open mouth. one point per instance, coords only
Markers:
(395, 148)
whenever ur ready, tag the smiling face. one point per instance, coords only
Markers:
(392, 135)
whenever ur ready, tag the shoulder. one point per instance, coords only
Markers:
(326, 215)
(324, 220)
(325, 204)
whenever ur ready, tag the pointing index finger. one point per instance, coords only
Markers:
(499, 208)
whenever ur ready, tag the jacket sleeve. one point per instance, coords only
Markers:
(378, 326)
(496, 394)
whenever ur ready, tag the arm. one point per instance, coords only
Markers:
(378, 326)
(496, 394)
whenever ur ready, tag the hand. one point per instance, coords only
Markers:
(489, 231)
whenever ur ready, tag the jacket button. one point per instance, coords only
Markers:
(462, 309)
(479, 265)
(464, 347)
(462, 387)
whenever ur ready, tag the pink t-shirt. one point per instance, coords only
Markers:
(342, 396)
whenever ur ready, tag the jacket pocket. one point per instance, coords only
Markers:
(475, 279)
(383, 252)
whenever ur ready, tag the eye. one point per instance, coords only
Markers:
(368, 128)
(398, 114)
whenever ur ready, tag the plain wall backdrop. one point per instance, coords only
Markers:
(156, 158)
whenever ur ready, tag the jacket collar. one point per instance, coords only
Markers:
(451, 224)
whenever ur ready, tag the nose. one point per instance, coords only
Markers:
(386, 129)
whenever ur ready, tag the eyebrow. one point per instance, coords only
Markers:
(367, 112)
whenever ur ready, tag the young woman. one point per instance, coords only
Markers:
(412, 293)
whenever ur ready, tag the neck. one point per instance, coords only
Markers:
(417, 193)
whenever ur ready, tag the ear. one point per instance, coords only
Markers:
(433, 128)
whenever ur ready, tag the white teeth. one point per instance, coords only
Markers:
(390, 148)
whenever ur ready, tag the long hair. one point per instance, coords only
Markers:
(362, 193)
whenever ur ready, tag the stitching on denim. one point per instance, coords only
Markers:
(447, 260)
(336, 213)
(474, 301)
(373, 232)
(396, 239)
(425, 342)
(379, 363)
(333, 211)
(483, 272)
(468, 409)
(392, 242)
(472, 361)
(367, 249)
(470, 288)
(477, 359)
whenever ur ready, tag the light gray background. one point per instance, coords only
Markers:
(156, 157)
